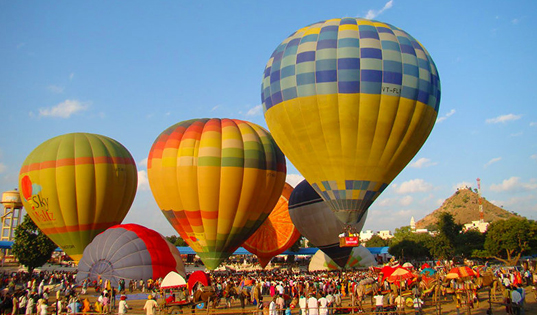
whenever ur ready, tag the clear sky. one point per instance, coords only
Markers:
(130, 69)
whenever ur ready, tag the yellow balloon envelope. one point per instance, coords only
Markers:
(216, 181)
(77, 185)
(350, 102)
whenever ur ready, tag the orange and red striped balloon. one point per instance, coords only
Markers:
(216, 181)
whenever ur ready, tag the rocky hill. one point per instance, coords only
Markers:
(464, 207)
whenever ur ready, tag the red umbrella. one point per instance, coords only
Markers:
(425, 266)
(386, 272)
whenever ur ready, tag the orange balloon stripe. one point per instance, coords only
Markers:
(78, 228)
(77, 161)
(194, 217)
(209, 215)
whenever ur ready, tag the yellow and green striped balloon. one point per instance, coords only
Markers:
(216, 181)
(75, 186)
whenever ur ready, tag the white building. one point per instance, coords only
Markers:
(476, 225)
(366, 235)
(385, 234)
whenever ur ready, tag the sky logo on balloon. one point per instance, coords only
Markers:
(30, 193)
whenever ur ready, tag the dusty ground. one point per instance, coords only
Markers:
(137, 300)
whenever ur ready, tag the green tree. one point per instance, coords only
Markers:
(409, 249)
(402, 233)
(31, 247)
(444, 243)
(448, 227)
(441, 247)
(507, 240)
(408, 245)
(172, 239)
(176, 240)
(377, 241)
(470, 242)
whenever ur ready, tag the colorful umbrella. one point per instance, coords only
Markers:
(400, 274)
(461, 272)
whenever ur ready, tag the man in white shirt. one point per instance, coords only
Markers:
(379, 302)
(313, 305)
(272, 307)
(303, 304)
(323, 306)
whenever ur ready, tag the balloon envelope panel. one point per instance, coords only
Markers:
(316, 222)
(77, 185)
(216, 181)
(276, 234)
(350, 102)
(129, 252)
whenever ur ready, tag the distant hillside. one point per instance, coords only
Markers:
(464, 207)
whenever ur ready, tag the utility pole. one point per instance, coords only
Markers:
(480, 201)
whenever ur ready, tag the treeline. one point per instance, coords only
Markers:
(504, 240)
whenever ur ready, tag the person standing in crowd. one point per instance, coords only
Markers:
(22, 303)
(106, 303)
(400, 304)
(418, 303)
(379, 302)
(313, 305)
(123, 306)
(273, 307)
(30, 305)
(43, 308)
(59, 306)
(150, 306)
(280, 303)
(303, 304)
(86, 306)
(323, 306)
(74, 307)
(15, 301)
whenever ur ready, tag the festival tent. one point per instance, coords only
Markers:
(360, 257)
(172, 280)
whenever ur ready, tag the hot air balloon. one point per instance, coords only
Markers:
(216, 181)
(77, 185)
(276, 234)
(316, 222)
(350, 102)
(360, 257)
(129, 252)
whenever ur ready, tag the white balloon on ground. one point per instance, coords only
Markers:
(360, 258)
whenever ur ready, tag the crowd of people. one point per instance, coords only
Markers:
(275, 292)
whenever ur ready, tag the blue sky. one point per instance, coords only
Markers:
(129, 70)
